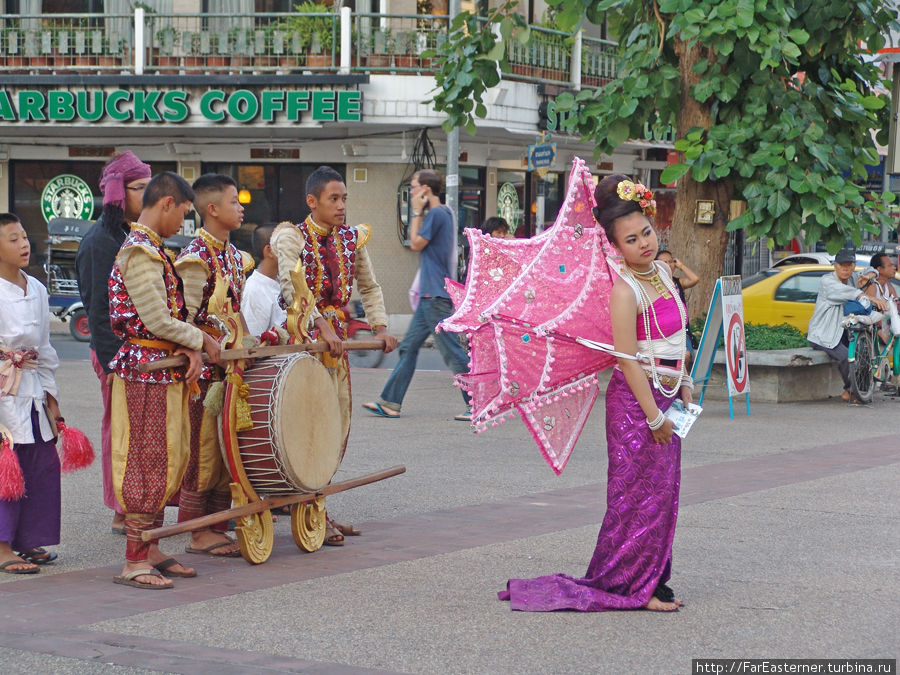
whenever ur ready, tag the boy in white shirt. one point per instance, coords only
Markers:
(29, 513)
(259, 305)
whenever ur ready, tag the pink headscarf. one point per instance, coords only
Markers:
(117, 174)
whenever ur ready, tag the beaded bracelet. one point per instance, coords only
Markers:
(657, 422)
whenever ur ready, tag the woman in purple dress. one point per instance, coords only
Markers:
(632, 560)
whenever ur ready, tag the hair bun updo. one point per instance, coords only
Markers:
(609, 205)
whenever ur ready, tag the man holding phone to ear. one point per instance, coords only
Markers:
(432, 232)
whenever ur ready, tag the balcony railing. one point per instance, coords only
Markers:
(275, 43)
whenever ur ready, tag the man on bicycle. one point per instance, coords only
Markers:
(826, 330)
(880, 274)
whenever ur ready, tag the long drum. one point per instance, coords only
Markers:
(295, 444)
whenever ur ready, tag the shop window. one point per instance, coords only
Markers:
(553, 187)
(511, 201)
(28, 180)
(276, 192)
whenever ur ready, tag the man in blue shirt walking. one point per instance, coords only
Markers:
(434, 235)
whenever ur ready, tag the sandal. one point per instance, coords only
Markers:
(349, 530)
(163, 568)
(333, 536)
(27, 570)
(38, 556)
(210, 550)
(130, 579)
(380, 410)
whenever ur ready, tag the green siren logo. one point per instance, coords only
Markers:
(67, 196)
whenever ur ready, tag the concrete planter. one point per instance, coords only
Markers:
(776, 376)
(780, 376)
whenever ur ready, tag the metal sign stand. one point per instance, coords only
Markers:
(713, 330)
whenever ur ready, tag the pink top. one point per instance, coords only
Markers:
(666, 315)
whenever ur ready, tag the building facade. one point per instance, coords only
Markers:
(265, 97)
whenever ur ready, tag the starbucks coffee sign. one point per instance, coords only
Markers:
(67, 196)
(176, 106)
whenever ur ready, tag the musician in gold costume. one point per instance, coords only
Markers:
(208, 260)
(333, 256)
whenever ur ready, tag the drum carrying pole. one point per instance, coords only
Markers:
(268, 503)
(258, 352)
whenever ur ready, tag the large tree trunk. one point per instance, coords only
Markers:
(701, 247)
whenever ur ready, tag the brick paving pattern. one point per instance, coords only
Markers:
(44, 614)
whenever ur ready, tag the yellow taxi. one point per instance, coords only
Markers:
(786, 294)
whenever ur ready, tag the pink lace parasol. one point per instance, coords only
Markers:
(522, 306)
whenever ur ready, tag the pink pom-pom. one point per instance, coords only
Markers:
(77, 451)
(12, 481)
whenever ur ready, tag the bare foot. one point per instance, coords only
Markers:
(118, 520)
(204, 539)
(148, 579)
(845, 396)
(657, 605)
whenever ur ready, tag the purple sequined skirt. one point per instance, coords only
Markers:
(634, 548)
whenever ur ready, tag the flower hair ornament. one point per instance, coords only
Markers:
(638, 192)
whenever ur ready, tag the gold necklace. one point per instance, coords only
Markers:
(652, 277)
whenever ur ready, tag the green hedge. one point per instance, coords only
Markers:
(782, 336)
(762, 336)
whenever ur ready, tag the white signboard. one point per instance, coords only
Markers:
(737, 372)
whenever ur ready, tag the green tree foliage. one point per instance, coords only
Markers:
(472, 59)
(791, 101)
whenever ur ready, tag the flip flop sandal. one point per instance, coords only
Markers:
(464, 417)
(380, 411)
(35, 556)
(30, 570)
(333, 537)
(163, 568)
(118, 530)
(130, 580)
(348, 530)
(209, 550)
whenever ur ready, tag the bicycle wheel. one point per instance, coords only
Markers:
(862, 379)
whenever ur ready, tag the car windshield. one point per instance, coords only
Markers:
(759, 276)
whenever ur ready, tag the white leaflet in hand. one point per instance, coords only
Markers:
(682, 418)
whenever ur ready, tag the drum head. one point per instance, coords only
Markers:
(307, 423)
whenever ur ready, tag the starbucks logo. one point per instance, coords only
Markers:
(67, 196)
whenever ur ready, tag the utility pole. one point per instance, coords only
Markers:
(892, 161)
(452, 178)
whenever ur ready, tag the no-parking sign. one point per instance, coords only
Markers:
(736, 371)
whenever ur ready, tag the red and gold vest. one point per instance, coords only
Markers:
(218, 259)
(126, 323)
(330, 262)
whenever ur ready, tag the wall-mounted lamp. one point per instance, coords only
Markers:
(705, 212)
(244, 196)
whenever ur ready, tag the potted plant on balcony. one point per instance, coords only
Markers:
(13, 46)
(380, 48)
(310, 39)
(110, 54)
(407, 50)
(216, 59)
(163, 55)
(60, 57)
(240, 41)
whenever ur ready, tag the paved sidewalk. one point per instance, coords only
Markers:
(786, 547)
